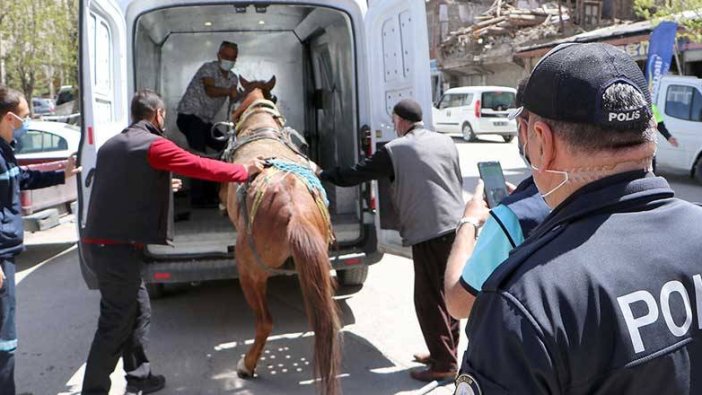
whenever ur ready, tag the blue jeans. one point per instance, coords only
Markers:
(8, 333)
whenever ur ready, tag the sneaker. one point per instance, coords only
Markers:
(153, 383)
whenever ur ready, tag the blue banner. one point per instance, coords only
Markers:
(660, 53)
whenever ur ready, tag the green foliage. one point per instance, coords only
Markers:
(40, 44)
(686, 12)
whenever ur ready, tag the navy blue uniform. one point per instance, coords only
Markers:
(603, 298)
(12, 179)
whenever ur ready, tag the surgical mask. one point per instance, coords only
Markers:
(560, 172)
(226, 65)
(17, 133)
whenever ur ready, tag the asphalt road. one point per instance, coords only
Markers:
(198, 334)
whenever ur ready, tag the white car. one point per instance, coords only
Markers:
(475, 110)
(47, 142)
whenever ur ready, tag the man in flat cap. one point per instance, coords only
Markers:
(426, 182)
(594, 301)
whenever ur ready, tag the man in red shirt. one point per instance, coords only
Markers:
(129, 208)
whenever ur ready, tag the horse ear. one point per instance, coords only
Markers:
(270, 84)
(244, 83)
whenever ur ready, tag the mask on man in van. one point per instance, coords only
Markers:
(20, 131)
(226, 65)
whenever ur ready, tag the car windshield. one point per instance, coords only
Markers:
(498, 101)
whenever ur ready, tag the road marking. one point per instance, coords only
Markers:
(75, 385)
(19, 276)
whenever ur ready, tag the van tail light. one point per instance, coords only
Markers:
(372, 203)
(477, 108)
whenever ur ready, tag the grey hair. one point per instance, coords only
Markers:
(588, 137)
(145, 104)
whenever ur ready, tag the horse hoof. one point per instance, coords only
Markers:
(242, 371)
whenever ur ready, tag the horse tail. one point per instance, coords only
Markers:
(310, 253)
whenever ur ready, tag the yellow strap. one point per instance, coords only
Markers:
(261, 105)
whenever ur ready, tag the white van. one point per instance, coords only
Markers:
(341, 65)
(680, 102)
(474, 110)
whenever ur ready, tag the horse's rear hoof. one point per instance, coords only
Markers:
(242, 371)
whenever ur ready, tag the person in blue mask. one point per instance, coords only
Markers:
(14, 121)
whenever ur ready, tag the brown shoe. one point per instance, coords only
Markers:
(422, 358)
(428, 375)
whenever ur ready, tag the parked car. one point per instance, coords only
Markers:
(47, 142)
(44, 147)
(474, 110)
(43, 106)
(680, 102)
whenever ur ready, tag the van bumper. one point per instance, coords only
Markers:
(218, 268)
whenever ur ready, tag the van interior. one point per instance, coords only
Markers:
(309, 49)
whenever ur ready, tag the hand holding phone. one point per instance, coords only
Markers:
(494, 179)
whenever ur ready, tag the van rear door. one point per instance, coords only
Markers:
(103, 82)
(398, 67)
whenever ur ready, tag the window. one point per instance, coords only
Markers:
(454, 100)
(498, 101)
(684, 102)
(35, 141)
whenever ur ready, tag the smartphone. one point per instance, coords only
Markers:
(494, 179)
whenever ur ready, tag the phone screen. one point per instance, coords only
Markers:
(494, 179)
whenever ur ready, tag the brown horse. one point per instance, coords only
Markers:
(279, 218)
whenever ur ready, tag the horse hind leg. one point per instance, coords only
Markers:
(253, 283)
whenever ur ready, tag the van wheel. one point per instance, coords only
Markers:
(508, 139)
(468, 133)
(355, 276)
(698, 170)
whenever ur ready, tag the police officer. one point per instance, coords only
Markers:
(427, 193)
(473, 259)
(14, 121)
(593, 301)
(129, 207)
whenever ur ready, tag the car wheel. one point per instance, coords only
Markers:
(508, 138)
(355, 276)
(468, 134)
(698, 170)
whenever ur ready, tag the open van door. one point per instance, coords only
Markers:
(398, 67)
(103, 94)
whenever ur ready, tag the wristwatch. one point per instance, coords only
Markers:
(468, 220)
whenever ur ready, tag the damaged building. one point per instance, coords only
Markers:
(482, 39)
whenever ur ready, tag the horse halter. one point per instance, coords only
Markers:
(258, 106)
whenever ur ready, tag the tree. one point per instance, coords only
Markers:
(688, 13)
(40, 41)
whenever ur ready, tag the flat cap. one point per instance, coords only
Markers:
(408, 109)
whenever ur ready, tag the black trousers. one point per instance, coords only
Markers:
(125, 317)
(8, 331)
(199, 136)
(440, 330)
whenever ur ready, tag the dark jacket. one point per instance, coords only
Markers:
(130, 201)
(12, 179)
(595, 301)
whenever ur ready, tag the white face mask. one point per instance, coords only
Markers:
(226, 65)
(559, 172)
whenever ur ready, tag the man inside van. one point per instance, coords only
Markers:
(213, 83)
(426, 176)
(128, 209)
(14, 118)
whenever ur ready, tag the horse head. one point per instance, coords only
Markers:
(252, 92)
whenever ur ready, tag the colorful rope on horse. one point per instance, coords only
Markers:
(303, 173)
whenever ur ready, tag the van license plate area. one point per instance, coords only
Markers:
(499, 123)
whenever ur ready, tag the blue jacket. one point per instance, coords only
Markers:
(12, 179)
